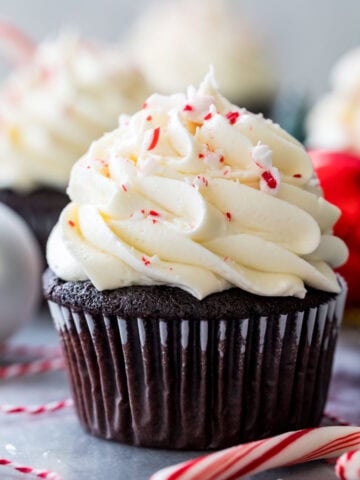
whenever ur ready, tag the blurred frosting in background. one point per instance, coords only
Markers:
(334, 122)
(68, 93)
(333, 132)
(175, 42)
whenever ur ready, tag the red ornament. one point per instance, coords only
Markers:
(339, 175)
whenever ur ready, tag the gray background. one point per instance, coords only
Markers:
(304, 36)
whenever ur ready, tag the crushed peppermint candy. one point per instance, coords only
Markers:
(270, 181)
(138, 215)
(200, 181)
(145, 261)
(228, 216)
(208, 116)
(71, 223)
(154, 213)
(213, 159)
(152, 139)
(149, 118)
(262, 156)
(199, 106)
(269, 176)
(232, 117)
(297, 175)
(141, 214)
(124, 187)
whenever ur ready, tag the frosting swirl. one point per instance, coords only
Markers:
(196, 193)
(52, 108)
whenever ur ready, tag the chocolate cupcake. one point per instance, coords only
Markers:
(67, 93)
(191, 280)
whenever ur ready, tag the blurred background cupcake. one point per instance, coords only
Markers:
(333, 132)
(64, 94)
(175, 42)
(334, 122)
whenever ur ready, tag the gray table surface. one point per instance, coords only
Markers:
(58, 443)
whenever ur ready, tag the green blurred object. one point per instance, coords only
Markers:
(290, 112)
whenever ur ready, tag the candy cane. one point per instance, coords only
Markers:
(38, 409)
(39, 366)
(286, 449)
(17, 46)
(348, 466)
(47, 474)
(8, 350)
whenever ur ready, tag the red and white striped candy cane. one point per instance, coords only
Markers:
(286, 449)
(35, 472)
(38, 366)
(7, 350)
(348, 466)
(37, 409)
(17, 46)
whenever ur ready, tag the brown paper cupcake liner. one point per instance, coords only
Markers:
(189, 384)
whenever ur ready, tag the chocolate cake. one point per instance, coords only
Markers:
(155, 367)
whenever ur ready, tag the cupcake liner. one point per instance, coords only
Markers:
(199, 384)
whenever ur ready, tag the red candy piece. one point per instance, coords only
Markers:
(339, 175)
(154, 139)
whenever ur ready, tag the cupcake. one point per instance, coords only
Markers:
(175, 42)
(333, 129)
(68, 93)
(334, 122)
(191, 278)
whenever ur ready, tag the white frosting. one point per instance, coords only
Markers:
(149, 208)
(175, 42)
(334, 122)
(52, 109)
